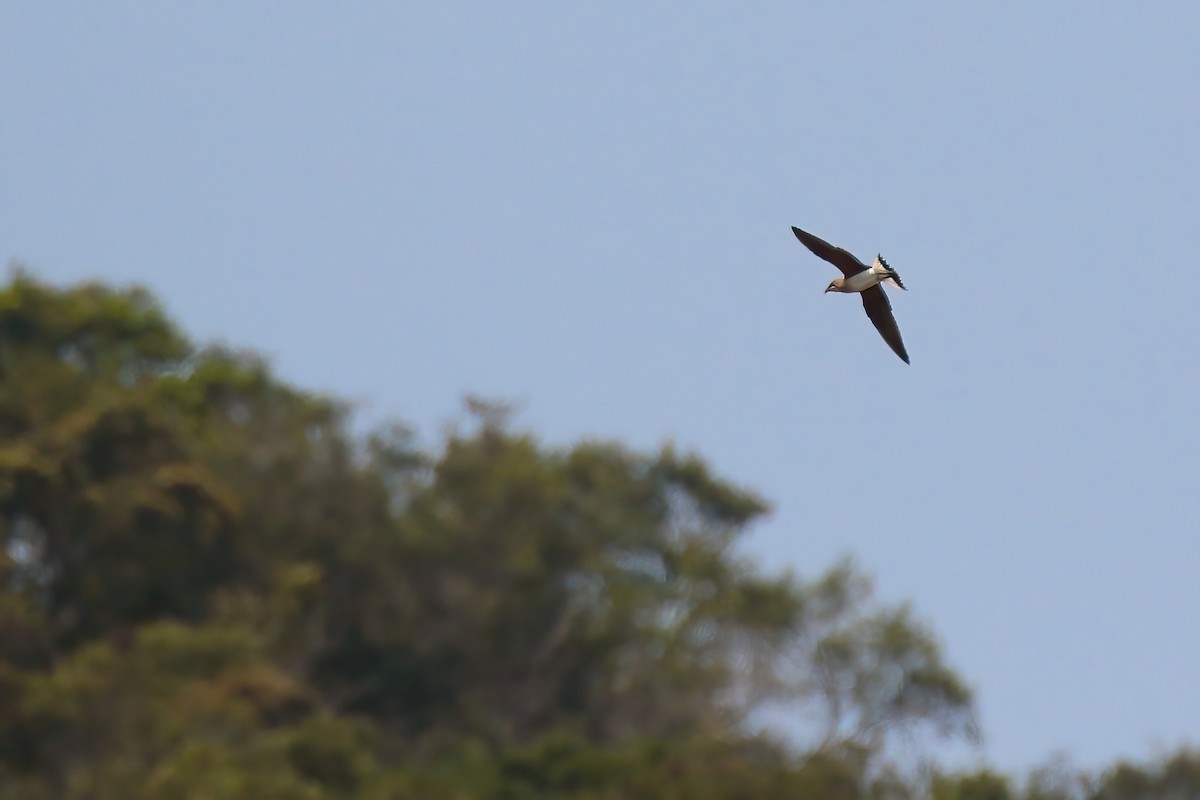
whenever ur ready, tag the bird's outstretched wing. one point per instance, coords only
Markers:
(879, 309)
(848, 264)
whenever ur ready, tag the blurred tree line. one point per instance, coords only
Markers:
(211, 587)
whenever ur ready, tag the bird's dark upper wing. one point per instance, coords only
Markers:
(848, 264)
(879, 309)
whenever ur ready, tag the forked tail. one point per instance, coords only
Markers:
(888, 275)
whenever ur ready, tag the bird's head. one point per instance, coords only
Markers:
(835, 285)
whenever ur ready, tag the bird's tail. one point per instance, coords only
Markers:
(888, 275)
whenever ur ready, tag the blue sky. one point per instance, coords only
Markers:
(586, 210)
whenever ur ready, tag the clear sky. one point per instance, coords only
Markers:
(585, 208)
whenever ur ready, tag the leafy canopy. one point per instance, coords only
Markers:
(210, 586)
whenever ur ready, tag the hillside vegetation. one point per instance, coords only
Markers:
(211, 587)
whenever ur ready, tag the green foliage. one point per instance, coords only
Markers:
(210, 587)
(870, 673)
(984, 785)
(1176, 777)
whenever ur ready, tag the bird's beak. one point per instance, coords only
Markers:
(827, 290)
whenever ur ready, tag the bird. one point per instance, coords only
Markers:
(857, 277)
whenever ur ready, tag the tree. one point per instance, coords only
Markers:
(1175, 777)
(106, 521)
(211, 586)
(870, 672)
(983, 785)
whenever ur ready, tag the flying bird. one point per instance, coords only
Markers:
(858, 277)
